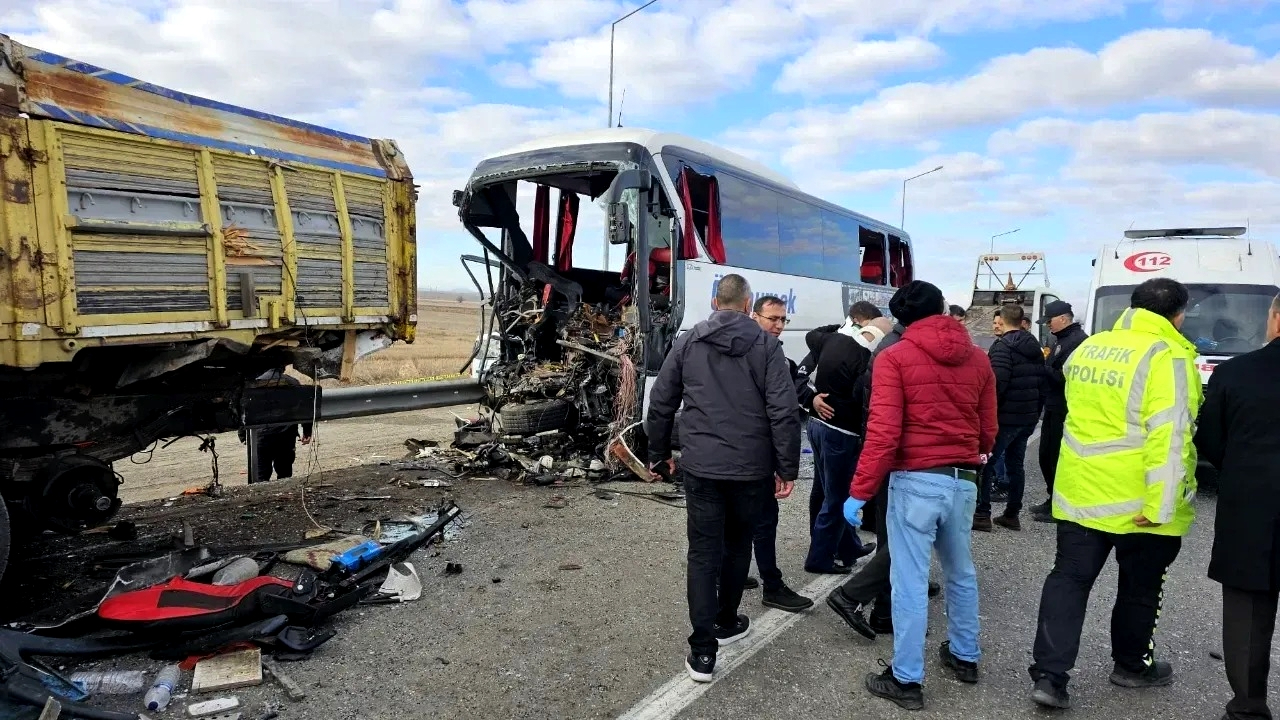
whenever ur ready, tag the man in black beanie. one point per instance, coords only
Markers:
(933, 419)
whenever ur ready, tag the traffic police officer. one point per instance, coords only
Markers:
(1126, 478)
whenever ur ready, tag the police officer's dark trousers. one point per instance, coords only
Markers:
(1144, 560)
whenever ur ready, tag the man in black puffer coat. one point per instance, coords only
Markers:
(1021, 378)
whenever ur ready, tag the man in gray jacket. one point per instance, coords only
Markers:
(740, 442)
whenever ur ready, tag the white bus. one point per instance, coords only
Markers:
(696, 211)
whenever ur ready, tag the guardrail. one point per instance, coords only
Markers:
(341, 403)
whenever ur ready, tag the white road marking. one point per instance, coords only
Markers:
(672, 698)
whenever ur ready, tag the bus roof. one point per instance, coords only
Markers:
(655, 142)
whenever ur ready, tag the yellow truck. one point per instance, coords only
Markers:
(160, 252)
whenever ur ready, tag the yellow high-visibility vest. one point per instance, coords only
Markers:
(1133, 394)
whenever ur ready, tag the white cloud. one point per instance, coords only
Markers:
(950, 16)
(506, 22)
(1220, 137)
(837, 64)
(957, 169)
(1188, 66)
(672, 57)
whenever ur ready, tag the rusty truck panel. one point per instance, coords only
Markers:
(131, 213)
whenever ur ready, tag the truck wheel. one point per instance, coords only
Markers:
(4, 537)
(534, 417)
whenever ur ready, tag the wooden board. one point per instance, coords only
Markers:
(239, 669)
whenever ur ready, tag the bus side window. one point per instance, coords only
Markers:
(840, 252)
(749, 224)
(800, 237)
(872, 245)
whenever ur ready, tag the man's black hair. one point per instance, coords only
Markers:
(1163, 296)
(955, 311)
(764, 300)
(864, 310)
(1012, 315)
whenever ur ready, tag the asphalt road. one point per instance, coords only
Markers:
(579, 612)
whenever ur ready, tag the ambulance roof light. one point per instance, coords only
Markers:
(1186, 232)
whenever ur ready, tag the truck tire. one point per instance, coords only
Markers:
(535, 416)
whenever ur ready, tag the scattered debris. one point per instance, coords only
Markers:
(212, 707)
(557, 502)
(230, 671)
(1215, 654)
(453, 568)
(123, 531)
(291, 688)
(570, 566)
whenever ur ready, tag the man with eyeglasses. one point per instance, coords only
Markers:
(770, 313)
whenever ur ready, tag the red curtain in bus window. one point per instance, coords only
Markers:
(715, 243)
(566, 226)
(688, 236)
(541, 223)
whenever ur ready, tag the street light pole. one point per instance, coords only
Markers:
(903, 221)
(993, 237)
(612, 31)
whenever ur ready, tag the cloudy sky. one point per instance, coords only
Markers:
(1070, 121)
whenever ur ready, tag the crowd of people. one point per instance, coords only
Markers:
(916, 432)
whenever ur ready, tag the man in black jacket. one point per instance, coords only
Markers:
(770, 313)
(1018, 362)
(1062, 323)
(860, 313)
(834, 547)
(1236, 433)
(740, 442)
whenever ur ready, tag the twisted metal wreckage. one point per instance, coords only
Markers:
(561, 351)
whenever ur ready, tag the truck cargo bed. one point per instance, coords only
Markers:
(134, 213)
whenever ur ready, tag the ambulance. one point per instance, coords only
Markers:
(1231, 279)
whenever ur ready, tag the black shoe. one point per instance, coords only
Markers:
(1008, 522)
(882, 624)
(865, 550)
(982, 523)
(734, 632)
(934, 589)
(835, 569)
(700, 667)
(1050, 695)
(1042, 512)
(784, 598)
(751, 583)
(908, 696)
(999, 495)
(851, 613)
(1157, 674)
(965, 671)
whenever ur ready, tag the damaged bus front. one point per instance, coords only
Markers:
(565, 348)
(567, 351)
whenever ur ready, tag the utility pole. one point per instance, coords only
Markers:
(902, 223)
(612, 31)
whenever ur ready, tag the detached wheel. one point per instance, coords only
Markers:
(534, 417)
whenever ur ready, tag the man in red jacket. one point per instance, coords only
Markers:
(932, 422)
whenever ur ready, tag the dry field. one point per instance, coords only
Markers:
(446, 333)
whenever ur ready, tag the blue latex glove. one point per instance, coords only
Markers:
(852, 507)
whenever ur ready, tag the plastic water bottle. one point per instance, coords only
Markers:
(111, 682)
(157, 697)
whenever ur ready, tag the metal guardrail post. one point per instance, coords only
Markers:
(251, 441)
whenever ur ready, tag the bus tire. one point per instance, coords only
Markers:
(535, 416)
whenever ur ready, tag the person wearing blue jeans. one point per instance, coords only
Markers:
(927, 511)
(931, 425)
